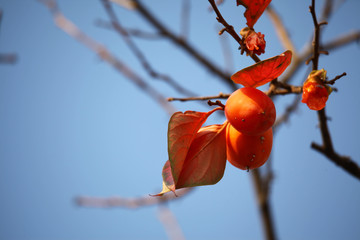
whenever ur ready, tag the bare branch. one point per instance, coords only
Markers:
(308, 50)
(131, 31)
(281, 88)
(341, 41)
(140, 56)
(116, 202)
(288, 111)
(224, 77)
(327, 147)
(170, 224)
(328, 150)
(281, 31)
(332, 81)
(71, 29)
(230, 29)
(221, 95)
(227, 53)
(316, 41)
(185, 19)
(261, 190)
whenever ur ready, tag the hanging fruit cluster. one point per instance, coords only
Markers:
(197, 154)
(250, 114)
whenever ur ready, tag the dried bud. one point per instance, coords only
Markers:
(253, 41)
(315, 92)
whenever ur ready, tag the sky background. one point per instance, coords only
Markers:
(70, 125)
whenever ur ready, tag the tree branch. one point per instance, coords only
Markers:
(170, 224)
(183, 44)
(328, 150)
(288, 111)
(220, 96)
(261, 190)
(281, 31)
(230, 29)
(116, 202)
(140, 56)
(327, 147)
(71, 29)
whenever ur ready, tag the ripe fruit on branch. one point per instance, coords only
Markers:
(247, 152)
(250, 111)
(315, 92)
(254, 42)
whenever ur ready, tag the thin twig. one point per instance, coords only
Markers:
(137, 52)
(171, 225)
(71, 29)
(220, 96)
(230, 29)
(332, 81)
(316, 41)
(227, 53)
(308, 50)
(351, 37)
(224, 77)
(327, 10)
(281, 88)
(281, 31)
(131, 31)
(288, 111)
(185, 19)
(216, 103)
(121, 202)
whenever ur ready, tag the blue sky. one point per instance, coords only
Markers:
(71, 125)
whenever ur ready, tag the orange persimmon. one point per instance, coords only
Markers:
(250, 111)
(245, 151)
(315, 91)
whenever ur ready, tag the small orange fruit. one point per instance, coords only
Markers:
(247, 151)
(250, 111)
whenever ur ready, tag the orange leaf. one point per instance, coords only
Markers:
(254, 9)
(181, 132)
(168, 180)
(188, 142)
(206, 159)
(204, 164)
(264, 71)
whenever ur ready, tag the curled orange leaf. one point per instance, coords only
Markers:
(206, 159)
(263, 72)
(197, 155)
(182, 130)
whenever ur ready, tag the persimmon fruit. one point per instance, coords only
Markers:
(247, 151)
(250, 111)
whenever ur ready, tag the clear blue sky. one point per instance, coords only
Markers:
(71, 125)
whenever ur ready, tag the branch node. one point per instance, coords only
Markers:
(222, 31)
(216, 103)
(332, 81)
